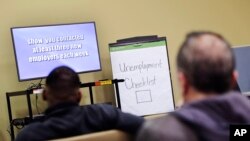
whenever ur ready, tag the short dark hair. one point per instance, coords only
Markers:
(207, 70)
(63, 81)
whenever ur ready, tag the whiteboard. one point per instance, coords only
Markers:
(147, 88)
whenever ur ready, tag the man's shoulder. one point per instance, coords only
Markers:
(166, 128)
(33, 126)
(167, 121)
(31, 132)
(99, 111)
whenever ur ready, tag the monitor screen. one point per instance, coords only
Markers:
(39, 49)
(242, 55)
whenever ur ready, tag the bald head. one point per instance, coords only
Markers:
(207, 61)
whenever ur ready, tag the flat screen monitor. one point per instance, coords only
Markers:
(39, 49)
(242, 55)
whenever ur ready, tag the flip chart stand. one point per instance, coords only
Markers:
(143, 62)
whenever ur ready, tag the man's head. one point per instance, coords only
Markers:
(206, 63)
(62, 85)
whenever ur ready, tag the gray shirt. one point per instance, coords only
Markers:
(206, 120)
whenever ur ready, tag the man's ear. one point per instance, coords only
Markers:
(44, 94)
(79, 96)
(235, 76)
(183, 82)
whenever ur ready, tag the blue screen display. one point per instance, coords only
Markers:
(39, 49)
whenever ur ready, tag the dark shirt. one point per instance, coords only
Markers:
(204, 120)
(70, 119)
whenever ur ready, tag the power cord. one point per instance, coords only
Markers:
(8, 130)
(37, 109)
(36, 86)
